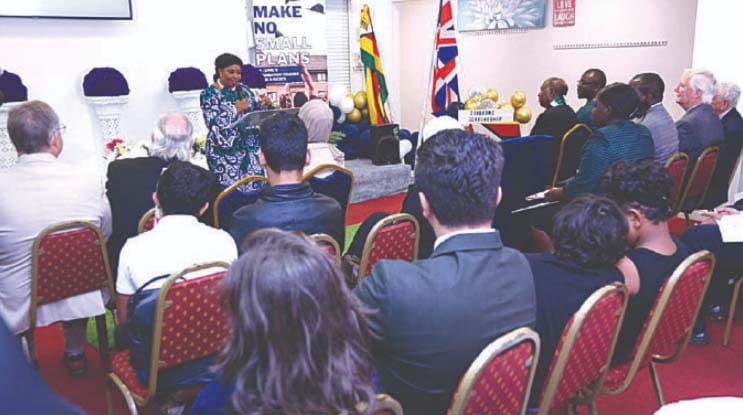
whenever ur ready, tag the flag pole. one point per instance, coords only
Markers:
(429, 87)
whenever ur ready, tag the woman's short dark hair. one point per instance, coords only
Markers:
(300, 343)
(590, 231)
(459, 172)
(224, 60)
(621, 99)
(184, 188)
(643, 185)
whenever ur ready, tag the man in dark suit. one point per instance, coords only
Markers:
(557, 117)
(131, 182)
(699, 128)
(432, 317)
(289, 203)
(723, 104)
(590, 83)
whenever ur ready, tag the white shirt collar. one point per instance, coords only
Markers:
(725, 113)
(176, 220)
(443, 238)
(657, 104)
(44, 156)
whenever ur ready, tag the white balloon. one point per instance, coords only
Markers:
(346, 105)
(405, 147)
(342, 118)
(336, 94)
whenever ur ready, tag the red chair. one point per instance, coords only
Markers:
(147, 221)
(329, 244)
(499, 380)
(669, 324)
(731, 312)
(699, 181)
(676, 166)
(583, 356)
(394, 237)
(69, 259)
(571, 150)
(234, 197)
(189, 309)
(338, 184)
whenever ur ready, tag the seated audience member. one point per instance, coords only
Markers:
(40, 191)
(615, 138)
(724, 105)
(699, 128)
(288, 203)
(591, 82)
(643, 189)
(652, 114)
(557, 117)
(24, 391)
(131, 181)
(318, 119)
(432, 317)
(590, 237)
(411, 204)
(728, 266)
(177, 242)
(299, 99)
(299, 343)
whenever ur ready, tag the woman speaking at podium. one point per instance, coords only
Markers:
(231, 152)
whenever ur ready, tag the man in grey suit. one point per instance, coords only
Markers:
(723, 104)
(699, 128)
(432, 317)
(652, 114)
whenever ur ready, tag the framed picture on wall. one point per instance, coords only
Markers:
(475, 15)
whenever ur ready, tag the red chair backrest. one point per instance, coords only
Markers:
(194, 324)
(395, 241)
(69, 261)
(677, 170)
(330, 249)
(594, 329)
(702, 174)
(149, 224)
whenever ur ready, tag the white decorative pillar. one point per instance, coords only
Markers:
(8, 154)
(189, 105)
(108, 111)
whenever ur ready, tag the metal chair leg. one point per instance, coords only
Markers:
(592, 408)
(31, 344)
(100, 326)
(656, 384)
(731, 312)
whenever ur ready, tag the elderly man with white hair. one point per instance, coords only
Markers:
(132, 181)
(699, 128)
(723, 104)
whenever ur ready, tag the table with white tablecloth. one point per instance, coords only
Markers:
(722, 405)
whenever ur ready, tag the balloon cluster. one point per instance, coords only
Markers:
(489, 99)
(353, 107)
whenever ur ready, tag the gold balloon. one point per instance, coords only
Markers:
(472, 104)
(354, 116)
(491, 94)
(365, 113)
(523, 115)
(518, 99)
(505, 106)
(359, 100)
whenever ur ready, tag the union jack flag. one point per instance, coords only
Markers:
(445, 85)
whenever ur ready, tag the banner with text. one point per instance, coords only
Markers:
(291, 48)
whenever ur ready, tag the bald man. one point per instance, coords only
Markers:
(557, 117)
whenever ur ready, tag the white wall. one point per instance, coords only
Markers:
(52, 56)
(521, 60)
(718, 25)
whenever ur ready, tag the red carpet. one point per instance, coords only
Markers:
(710, 370)
(357, 212)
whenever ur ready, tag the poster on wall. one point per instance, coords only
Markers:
(291, 48)
(563, 13)
(474, 15)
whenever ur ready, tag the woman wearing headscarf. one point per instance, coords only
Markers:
(231, 152)
(318, 118)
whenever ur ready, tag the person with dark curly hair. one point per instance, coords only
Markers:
(615, 138)
(590, 238)
(433, 316)
(643, 189)
(300, 342)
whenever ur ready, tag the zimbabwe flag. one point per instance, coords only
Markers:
(376, 88)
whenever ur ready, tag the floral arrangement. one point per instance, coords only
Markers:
(105, 82)
(115, 149)
(186, 79)
(199, 145)
(252, 77)
(12, 87)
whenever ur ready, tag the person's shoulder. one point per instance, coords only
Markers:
(327, 201)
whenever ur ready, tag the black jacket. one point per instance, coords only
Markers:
(732, 125)
(291, 207)
(555, 121)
